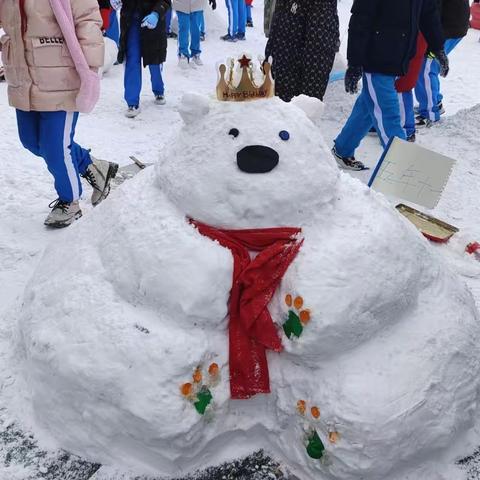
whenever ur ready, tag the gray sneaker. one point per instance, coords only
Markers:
(132, 112)
(63, 214)
(160, 100)
(197, 60)
(99, 174)
(348, 163)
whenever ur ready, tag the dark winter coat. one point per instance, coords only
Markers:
(304, 38)
(104, 3)
(154, 42)
(455, 17)
(383, 33)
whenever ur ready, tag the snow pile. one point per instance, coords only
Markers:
(110, 56)
(125, 308)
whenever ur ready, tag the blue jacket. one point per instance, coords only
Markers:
(383, 33)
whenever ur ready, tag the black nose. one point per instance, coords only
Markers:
(257, 159)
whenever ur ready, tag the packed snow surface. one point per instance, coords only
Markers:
(390, 355)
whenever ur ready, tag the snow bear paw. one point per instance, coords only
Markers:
(314, 429)
(199, 391)
(297, 317)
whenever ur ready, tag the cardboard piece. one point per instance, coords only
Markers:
(412, 173)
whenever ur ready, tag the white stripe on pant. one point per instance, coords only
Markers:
(377, 111)
(428, 88)
(403, 115)
(230, 17)
(71, 171)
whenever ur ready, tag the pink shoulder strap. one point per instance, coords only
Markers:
(90, 81)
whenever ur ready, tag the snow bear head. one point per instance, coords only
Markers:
(249, 164)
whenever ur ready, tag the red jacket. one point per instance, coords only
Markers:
(105, 13)
(408, 81)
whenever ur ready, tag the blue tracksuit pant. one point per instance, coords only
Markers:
(407, 113)
(168, 20)
(49, 135)
(133, 67)
(237, 17)
(202, 23)
(249, 13)
(113, 30)
(189, 33)
(377, 104)
(427, 89)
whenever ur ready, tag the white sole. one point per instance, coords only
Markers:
(344, 166)
(66, 223)
(132, 115)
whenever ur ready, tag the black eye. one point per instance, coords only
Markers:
(284, 135)
(234, 132)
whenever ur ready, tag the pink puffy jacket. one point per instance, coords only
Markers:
(39, 69)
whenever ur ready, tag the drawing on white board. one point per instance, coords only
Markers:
(412, 173)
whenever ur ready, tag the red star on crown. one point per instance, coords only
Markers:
(245, 61)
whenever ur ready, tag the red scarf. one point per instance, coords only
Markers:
(251, 328)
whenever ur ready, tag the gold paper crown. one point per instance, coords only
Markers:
(246, 88)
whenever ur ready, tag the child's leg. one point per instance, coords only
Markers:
(407, 113)
(183, 34)
(113, 31)
(431, 81)
(28, 124)
(202, 23)
(158, 87)
(249, 13)
(421, 89)
(168, 20)
(236, 4)
(65, 159)
(377, 104)
(450, 44)
(195, 22)
(242, 17)
(231, 16)
(133, 65)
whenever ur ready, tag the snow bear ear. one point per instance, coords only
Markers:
(193, 106)
(312, 107)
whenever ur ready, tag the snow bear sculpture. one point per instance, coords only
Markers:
(126, 339)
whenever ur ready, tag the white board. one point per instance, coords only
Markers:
(412, 173)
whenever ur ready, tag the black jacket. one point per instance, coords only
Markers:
(104, 3)
(383, 33)
(455, 17)
(154, 42)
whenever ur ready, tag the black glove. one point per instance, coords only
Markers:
(442, 59)
(213, 4)
(352, 77)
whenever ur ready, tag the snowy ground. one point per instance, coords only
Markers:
(26, 190)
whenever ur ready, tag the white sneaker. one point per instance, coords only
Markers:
(132, 112)
(183, 62)
(197, 60)
(63, 214)
(160, 99)
(99, 174)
